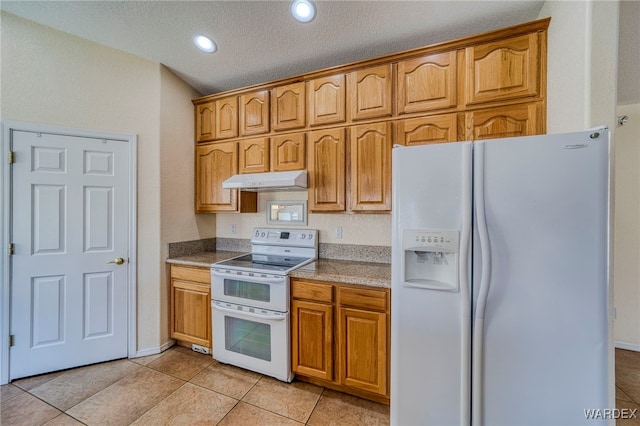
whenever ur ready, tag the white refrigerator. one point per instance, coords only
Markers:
(501, 311)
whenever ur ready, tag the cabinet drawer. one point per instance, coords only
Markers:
(195, 274)
(375, 300)
(312, 291)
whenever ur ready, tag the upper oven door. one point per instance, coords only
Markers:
(251, 289)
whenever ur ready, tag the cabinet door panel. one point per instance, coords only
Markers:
(288, 152)
(288, 107)
(253, 155)
(370, 92)
(205, 122)
(191, 312)
(505, 122)
(227, 118)
(214, 164)
(312, 340)
(427, 83)
(371, 167)
(363, 349)
(426, 130)
(326, 167)
(254, 113)
(327, 98)
(503, 69)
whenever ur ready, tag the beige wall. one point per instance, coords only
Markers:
(626, 261)
(177, 219)
(50, 77)
(362, 229)
(581, 64)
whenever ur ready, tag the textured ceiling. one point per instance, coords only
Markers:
(259, 41)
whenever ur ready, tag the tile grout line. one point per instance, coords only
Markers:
(315, 405)
(159, 402)
(60, 411)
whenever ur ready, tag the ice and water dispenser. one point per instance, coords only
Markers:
(431, 259)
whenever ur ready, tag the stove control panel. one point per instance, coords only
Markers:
(285, 237)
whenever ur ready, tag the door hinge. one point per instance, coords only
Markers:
(12, 157)
(11, 340)
(11, 249)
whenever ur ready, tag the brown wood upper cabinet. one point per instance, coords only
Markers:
(254, 113)
(288, 152)
(503, 69)
(427, 83)
(326, 167)
(227, 118)
(288, 106)
(487, 85)
(215, 163)
(327, 99)
(426, 130)
(370, 92)
(253, 155)
(205, 122)
(371, 167)
(504, 122)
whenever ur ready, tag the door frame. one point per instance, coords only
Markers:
(7, 128)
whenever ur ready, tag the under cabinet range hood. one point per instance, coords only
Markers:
(271, 181)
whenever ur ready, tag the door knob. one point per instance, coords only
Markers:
(117, 261)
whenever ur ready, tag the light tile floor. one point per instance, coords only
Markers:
(177, 387)
(180, 387)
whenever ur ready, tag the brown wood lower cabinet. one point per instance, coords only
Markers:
(191, 305)
(340, 337)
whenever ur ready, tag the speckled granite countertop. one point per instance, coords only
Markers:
(204, 259)
(346, 271)
(341, 271)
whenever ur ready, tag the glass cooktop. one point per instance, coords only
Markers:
(256, 261)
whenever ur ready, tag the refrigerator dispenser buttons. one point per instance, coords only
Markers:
(431, 259)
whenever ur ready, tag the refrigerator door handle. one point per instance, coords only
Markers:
(483, 292)
(465, 288)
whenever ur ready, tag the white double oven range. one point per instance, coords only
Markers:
(250, 301)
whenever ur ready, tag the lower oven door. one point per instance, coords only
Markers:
(252, 338)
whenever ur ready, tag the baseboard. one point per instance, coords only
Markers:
(627, 346)
(156, 350)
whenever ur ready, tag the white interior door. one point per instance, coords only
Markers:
(70, 207)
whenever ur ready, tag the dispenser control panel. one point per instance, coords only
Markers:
(430, 259)
(443, 241)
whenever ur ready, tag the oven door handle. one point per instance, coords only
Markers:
(248, 314)
(278, 280)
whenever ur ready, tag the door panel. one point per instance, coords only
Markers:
(98, 219)
(48, 212)
(545, 321)
(98, 291)
(48, 295)
(429, 329)
(70, 204)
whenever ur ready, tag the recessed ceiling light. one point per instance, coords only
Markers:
(204, 43)
(303, 10)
